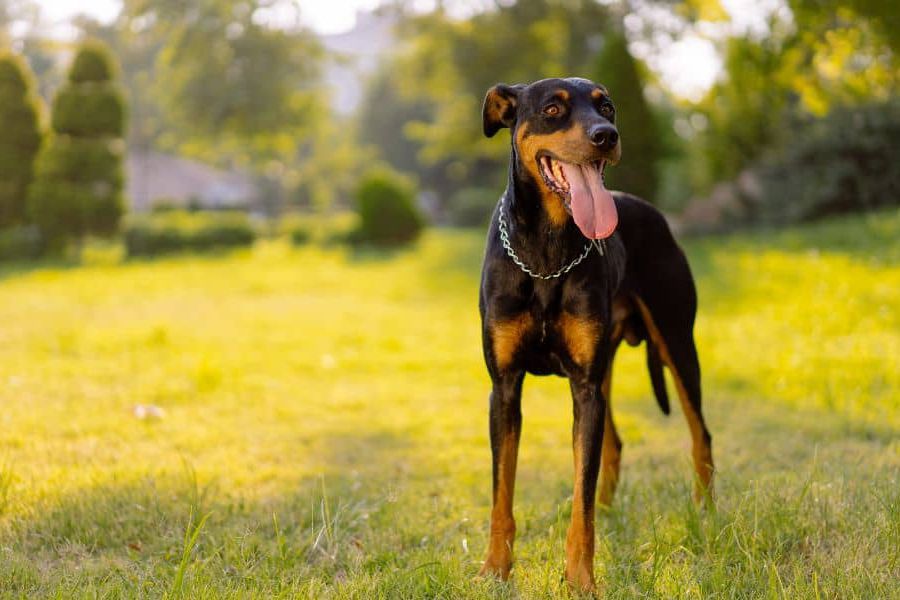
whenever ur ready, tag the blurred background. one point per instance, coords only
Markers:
(732, 112)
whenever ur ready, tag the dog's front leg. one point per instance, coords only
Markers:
(505, 428)
(587, 439)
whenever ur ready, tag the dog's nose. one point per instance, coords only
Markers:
(604, 136)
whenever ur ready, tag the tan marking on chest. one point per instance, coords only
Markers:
(506, 337)
(581, 337)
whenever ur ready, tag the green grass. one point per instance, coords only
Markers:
(325, 429)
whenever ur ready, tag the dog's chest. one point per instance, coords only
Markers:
(563, 335)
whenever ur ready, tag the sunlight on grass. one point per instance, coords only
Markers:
(328, 411)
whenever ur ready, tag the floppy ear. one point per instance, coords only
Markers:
(500, 105)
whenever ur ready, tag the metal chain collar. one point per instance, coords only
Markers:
(504, 238)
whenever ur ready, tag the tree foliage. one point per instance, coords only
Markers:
(20, 139)
(618, 70)
(802, 70)
(79, 182)
(452, 63)
(223, 70)
(815, 177)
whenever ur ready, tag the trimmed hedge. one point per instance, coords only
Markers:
(93, 63)
(842, 163)
(79, 182)
(20, 138)
(386, 202)
(89, 111)
(179, 231)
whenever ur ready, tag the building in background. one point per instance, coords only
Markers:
(154, 178)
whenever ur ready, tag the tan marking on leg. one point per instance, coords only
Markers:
(701, 450)
(503, 526)
(580, 536)
(611, 454)
(506, 336)
(581, 337)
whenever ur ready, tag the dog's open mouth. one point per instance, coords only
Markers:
(584, 194)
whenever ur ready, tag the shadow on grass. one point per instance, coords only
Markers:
(135, 524)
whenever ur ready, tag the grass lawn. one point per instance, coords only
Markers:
(325, 429)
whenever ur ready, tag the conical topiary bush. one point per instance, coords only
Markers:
(79, 182)
(20, 139)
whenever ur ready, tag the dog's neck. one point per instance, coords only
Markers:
(543, 244)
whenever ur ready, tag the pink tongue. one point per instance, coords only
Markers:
(592, 205)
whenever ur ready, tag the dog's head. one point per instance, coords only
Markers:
(564, 135)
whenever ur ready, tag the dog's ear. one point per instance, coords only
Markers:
(500, 106)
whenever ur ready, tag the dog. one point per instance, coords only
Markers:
(570, 270)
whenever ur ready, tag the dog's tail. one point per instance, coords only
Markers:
(655, 368)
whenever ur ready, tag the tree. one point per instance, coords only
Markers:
(823, 61)
(228, 69)
(79, 181)
(21, 138)
(617, 69)
(448, 64)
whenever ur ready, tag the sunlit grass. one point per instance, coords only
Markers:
(326, 414)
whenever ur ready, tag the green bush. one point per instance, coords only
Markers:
(79, 176)
(844, 162)
(93, 63)
(179, 231)
(86, 111)
(79, 189)
(386, 203)
(472, 207)
(329, 229)
(20, 138)
(20, 243)
(299, 228)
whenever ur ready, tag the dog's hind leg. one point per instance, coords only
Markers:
(611, 454)
(675, 340)
(505, 429)
(686, 373)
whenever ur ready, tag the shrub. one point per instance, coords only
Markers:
(20, 242)
(386, 202)
(299, 228)
(85, 111)
(20, 138)
(845, 162)
(92, 64)
(472, 207)
(79, 181)
(179, 231)
(329, 229)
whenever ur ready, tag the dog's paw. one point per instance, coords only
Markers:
(496, 567)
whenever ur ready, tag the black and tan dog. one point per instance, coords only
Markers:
(551, 303)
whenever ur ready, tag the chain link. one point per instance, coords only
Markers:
(504, 238)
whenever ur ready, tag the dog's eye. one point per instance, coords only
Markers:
(607, 111)
(551, 110)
